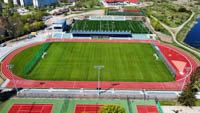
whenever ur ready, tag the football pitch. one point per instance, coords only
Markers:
(75, 61)
(136, 27)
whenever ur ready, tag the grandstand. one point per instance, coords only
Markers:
(61, 35)
(119, 12)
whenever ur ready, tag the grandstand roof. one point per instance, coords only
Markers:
(131, 1)
(101, 32)
(60, 22)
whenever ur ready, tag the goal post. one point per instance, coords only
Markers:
(164, 59)
(28, 67)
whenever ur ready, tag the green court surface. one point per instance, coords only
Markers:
(137, 27)
(68, 105)
(75, 61)
(57, 104)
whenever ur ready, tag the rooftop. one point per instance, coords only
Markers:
(131, 1)
(60, 22)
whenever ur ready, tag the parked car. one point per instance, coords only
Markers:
(31, 36)
(3, 45)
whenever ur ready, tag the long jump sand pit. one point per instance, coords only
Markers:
(180, 109)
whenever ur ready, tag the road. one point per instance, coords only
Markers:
(174, 32)
(61, 17)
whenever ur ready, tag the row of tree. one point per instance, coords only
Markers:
(87, 3)
(156, 25)
(16, 25)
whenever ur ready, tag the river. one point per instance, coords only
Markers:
(193, 37)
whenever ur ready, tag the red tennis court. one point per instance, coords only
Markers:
(87, 108)
(147, 109)
(31, 108)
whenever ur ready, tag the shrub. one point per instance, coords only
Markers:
(109, 108)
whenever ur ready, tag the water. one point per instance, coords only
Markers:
(193, 37)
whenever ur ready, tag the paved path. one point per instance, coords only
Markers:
(61, 17)
(4, 51)
(174, 32)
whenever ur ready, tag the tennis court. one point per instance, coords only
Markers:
(87, 108)
(147, 109)
(31, 108)
(18, 105)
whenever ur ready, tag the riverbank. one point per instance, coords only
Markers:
(181, 35)
(192, 37)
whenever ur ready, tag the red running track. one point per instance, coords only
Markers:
(165, 49)
(87, 108)
(31, 108)
(147, 109)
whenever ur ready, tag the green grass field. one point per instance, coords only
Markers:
(75, 61)
(137, 27)
(69, 104)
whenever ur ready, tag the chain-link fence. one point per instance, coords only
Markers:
(36, 58)
(164, 59)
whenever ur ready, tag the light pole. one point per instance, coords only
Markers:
(10, 66)
(187, 72)
(99, 70)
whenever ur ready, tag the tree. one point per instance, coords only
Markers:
(38, 15)
(10, 4)
(187, 97)
(182, 9)
(37, 25)
(195, 79)
(20, 30)
(109, 108)
(26, 27)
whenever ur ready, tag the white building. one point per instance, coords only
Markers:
(40, 3)
(14, 1)
(35, 3)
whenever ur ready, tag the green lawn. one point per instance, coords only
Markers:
(175, 103)
(76, 60)
(168, 13)
(137, 27)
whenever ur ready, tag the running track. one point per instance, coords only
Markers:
(176, 85)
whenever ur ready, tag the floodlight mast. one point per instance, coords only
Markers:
(10, 66)
(99, 70)
(187, 72)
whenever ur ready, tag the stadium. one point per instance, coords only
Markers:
(69, 63)
(65, 62)
(125, 46)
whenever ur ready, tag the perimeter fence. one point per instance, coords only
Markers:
(164, 59)
(36, 58)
